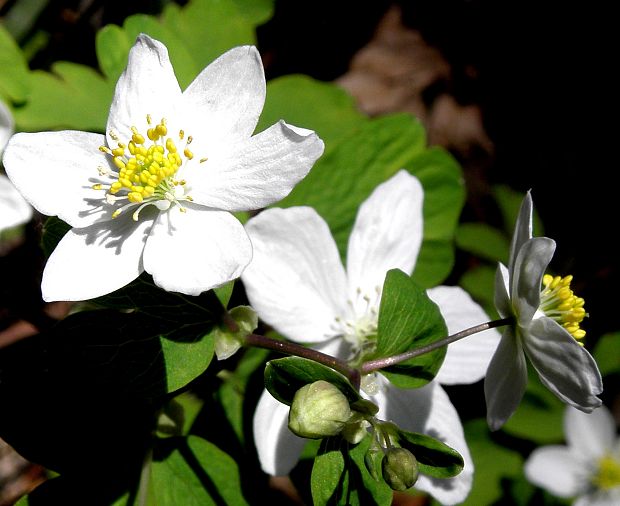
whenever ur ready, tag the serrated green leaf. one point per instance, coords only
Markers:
(483, 241)
(14, 77)
(323, 107)
(327, 472)
(71, 96)
(284, 376)
(112, 45)
(607, 353)
(343, 178)
(435, 458)
(197, 473)
(492, 462)
(208, 28)
(408, 319)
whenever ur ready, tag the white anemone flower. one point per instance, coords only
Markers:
(156, 192)
(14, 210)
(297, 283)
(546, 328)
(588, 468)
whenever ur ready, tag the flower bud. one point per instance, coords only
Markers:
(318, 410)
(399, 468)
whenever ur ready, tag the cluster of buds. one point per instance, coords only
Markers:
(321, 410)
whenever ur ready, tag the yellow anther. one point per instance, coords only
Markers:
(118, 162)
(134, 197)
(105, 149)
(97, 186)
(116, 213)
(161, 129)
(170, 146)
(148, 119)
(558, 302)
(181, 134)
(152, 134)
(188, 154)
(189, 140)
(118, 151)
(203, 160)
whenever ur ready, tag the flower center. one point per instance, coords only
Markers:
(608, 473)
(147, 167)
(360, 326)
(558, 302)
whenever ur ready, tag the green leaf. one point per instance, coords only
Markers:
(408, 319)
(479, 282)
(227, 340)
(195, 473)
(257, 11)
(112, 45)
(344, 177)
(72, 96)
(435, 458)
(375, 491)
(483, 241)
(207, 28)
(284, 376)
(14, 77)
(492, 462)
(224, 292)
(186, 360)
(607, 354)
(323, 107)
(328, 471)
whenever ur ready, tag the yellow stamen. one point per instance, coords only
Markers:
(608, 473)
(558, 302)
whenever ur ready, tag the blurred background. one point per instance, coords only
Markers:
(521, 94)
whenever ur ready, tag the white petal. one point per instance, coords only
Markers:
(55, 171)
(523, 229)
(590, 434)
(194, 251)
(501, 298)
(564, 367)
(224, 102)
(295, 281)
(147, 86)
(526, 279)
(387, 233)
(258, 172)
(7, 125)
(14, 210)
(278, 448)
(555, 469)
(466, 360)
(428, 410)
(505, 381)
(93, 261)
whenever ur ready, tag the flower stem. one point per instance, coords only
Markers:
(380, 363)
(288, 348)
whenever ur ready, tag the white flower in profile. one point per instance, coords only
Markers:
(156, 192)
(297, 283)
(588, 468)
(546, 316)
(14, 210)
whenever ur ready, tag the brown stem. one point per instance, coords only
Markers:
(288, 348)
(381, 363)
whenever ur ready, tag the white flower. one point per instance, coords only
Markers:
(589, 467)
(297, 283)
(13, 208)
(157, 191)
(546, 327)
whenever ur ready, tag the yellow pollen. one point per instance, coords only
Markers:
(608, 473)
(559, 303)
(147, 165)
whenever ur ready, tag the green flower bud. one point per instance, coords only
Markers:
(399, 468)
(318, 410)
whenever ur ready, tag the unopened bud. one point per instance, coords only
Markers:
(318, 410)
(399, 468)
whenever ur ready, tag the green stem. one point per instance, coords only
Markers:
(381, 363)
(288, 348)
